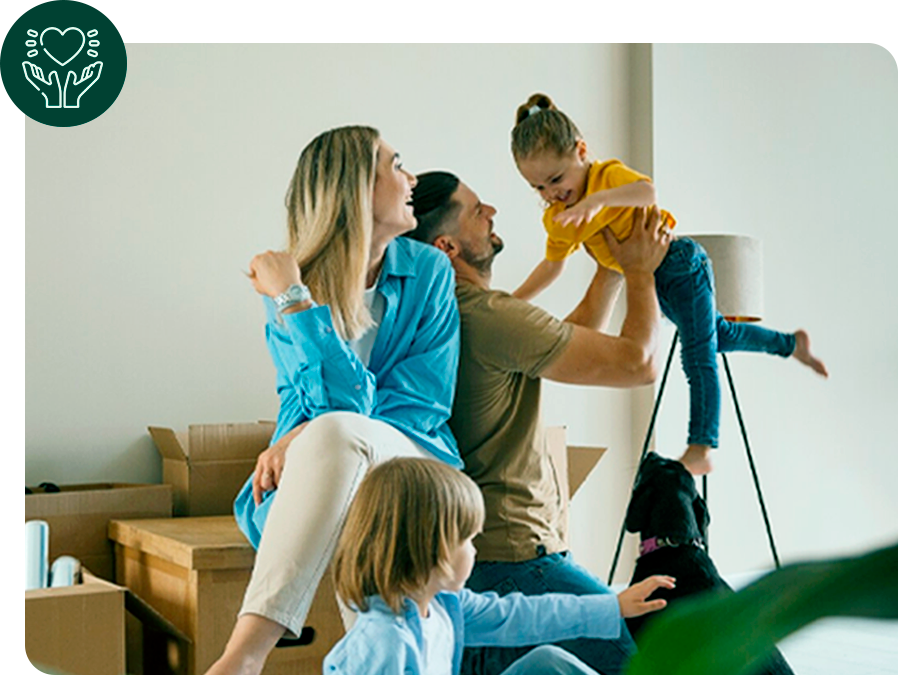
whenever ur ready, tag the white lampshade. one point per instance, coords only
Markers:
(738, 274)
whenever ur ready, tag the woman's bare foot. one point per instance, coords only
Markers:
(253, 637)
(234, 664)
(803, 353)
(697, 459)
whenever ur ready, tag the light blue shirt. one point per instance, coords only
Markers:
(383, 643)
(410, 378)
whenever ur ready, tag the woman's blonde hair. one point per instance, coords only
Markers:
(405, 522)
(540, 127)
(329, 221)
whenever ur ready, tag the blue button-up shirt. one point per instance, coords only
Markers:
(383, 643)
(410, 378)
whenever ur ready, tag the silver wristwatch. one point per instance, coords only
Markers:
(294, 295)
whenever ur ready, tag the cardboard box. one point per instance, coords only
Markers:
(79, 630)
(573, 465)
(194, 571)
(209, 463)
(79, 516)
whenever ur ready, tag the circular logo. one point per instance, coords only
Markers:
(63, 63)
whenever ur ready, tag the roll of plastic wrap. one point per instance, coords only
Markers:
(66, 571)
(37, 538)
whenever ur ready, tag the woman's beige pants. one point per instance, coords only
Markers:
(322, 471)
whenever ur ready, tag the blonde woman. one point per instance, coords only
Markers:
(363, 330)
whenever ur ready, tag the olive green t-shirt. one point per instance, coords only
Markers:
(505, 344)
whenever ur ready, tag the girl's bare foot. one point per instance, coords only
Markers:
(803, 353)
(697, 459)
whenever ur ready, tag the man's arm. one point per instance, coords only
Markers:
(628, 360)
(594, 310)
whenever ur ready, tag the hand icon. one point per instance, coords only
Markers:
(75, 87)
(48, 87)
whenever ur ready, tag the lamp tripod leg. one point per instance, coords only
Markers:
(645, 449)
(705, 497)
(751, 462)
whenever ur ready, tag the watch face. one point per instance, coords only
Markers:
(291, 296)
(302, 293)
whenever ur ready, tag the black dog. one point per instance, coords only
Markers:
(672, 520)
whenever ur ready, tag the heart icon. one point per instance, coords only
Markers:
(62, 45)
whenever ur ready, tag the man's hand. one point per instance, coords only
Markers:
(270, 464)
(646, 247)
(633, 600)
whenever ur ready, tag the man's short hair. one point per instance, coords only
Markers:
(433, 204)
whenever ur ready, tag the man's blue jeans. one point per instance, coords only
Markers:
(548, 660)
(685, 284)
(554, 573)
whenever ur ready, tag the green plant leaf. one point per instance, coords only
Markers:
(729, 634)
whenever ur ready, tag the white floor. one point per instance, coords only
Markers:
(837, 646)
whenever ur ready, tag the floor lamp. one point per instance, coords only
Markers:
(737, 265)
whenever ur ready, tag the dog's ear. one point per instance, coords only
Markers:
(639, 510)
(642, 500)
(702, 517)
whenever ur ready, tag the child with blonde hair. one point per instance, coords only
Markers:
(402, 561)
(585, 197)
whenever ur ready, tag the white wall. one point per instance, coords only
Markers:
(796, 145)
(140, 223)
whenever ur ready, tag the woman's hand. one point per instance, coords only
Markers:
(270, 464)
(633, 600)
(273, 272)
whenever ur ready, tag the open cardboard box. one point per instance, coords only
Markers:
(78, 516)
(80, 630)
(76, 629)
(209, 463)
(573, 465)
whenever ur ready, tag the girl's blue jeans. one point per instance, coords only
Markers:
(685, 284)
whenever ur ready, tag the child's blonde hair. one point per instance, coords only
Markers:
(541, 127)
(405, 522)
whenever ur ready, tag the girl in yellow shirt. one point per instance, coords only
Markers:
(584, 198)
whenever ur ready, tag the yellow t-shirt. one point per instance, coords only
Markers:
(565, 240)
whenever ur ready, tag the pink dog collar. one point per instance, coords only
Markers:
(649, 545)
(654, 543)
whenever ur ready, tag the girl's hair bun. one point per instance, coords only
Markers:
(539, 127)
(534, 104)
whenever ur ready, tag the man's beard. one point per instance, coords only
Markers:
(483, 263)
